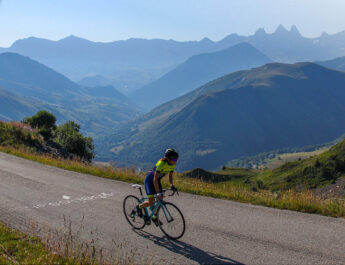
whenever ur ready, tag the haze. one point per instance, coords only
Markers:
(107, 20)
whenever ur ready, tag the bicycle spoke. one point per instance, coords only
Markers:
(129, 208)
(172, 221)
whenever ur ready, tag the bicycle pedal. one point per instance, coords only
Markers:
(157, 222)
(147, 220)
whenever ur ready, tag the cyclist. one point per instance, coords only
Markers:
(153, 184)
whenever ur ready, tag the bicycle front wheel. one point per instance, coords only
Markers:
(130, 210)
(171, 219)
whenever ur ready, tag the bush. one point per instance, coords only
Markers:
(69, 137)
(16, 134)
(44, 121)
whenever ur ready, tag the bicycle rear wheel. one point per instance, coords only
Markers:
(129, 209)
(171, 219)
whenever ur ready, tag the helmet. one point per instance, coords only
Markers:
(171, 154)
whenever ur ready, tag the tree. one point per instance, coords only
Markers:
(44, 121)
(69, 137)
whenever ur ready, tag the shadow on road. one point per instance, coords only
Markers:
(187, 250)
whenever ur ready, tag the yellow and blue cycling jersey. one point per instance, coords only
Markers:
(162, 167)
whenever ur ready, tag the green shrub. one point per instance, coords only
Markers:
(44, 121)
(69, 137)
(17, 134)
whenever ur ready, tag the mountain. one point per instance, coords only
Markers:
(15, 107)
(196, 71)
(337, 63)
(284, 45)
(290, 46)
(97, 80)
(94, 109)
(134, 63)
(272, 107)
(105, 92)
(30, 78)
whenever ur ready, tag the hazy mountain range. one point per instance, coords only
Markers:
(271, 107)
(133, 63)
(196, 71)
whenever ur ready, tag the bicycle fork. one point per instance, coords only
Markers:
(167, 214)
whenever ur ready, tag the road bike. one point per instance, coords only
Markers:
(169, 218)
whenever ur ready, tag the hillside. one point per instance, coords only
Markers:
(15, 107)
(94, 108)
(313, 172)
(106, 92)
(197, 71)
(248, 112)
(30, 78)
(337, 63)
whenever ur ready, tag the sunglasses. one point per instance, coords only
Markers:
(173, 159)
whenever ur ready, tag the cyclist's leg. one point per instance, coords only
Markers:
(150, 191)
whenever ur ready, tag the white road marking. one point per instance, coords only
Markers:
(103, 195)
(65, 197)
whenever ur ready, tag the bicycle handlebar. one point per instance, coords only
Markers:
(173, 191)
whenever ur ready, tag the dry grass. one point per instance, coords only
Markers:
(42, 245)
(288, 157)
(291, 200)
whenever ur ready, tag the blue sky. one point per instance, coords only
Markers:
(110, 20)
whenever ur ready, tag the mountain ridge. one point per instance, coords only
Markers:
(146, 60)
(198, 70)
(272, 107)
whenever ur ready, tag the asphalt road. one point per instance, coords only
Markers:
(218, 231)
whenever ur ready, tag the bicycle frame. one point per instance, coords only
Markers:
(170, 219)
(154, 208)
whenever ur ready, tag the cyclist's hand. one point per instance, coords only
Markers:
(173, 188)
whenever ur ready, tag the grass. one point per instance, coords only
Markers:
(289, 199)
(18, 134)
(59, 247)
(310, 173)
(290, 157)
(19, 248)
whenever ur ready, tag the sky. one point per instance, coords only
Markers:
(110, 20)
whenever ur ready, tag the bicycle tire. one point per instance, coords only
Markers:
(164, 224)
(129, 204)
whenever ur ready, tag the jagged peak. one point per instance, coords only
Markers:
(294, 30)
(260, 31)
(73, 38)
(205, 40)
(231, 36)
(280, 29)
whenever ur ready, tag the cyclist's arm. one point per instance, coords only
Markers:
(171, 178)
